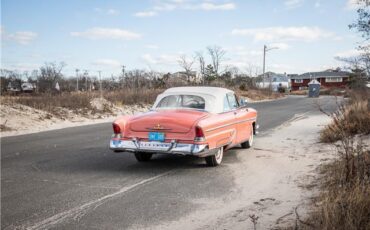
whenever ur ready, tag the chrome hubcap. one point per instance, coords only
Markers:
(219, 155)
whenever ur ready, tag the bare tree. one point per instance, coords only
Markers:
(202, 64)
(217, 55)
(186, 64)
(49, 74)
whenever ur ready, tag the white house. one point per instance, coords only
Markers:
(275, 81)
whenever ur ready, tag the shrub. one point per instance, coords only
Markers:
(348, 121)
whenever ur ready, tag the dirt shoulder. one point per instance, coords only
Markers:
(270, 180)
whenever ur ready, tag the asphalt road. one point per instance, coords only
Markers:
(69, 179)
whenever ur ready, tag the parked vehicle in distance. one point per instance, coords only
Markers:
(197, 121)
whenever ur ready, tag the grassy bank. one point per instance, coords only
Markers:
(344, 198)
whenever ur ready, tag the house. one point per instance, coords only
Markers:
(274, 80)
(327, 79)
(14, 87)
(181, 76)
(28, 87)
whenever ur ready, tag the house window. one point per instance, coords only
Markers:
(333, 79)
(298, 80)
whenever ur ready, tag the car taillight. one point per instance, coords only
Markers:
(116, 128)
(199, 135)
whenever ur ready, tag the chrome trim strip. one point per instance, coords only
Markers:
(234, 123)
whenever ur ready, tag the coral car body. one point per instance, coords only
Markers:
(198, 121)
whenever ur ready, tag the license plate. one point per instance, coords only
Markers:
(116, 142)
(155, 136)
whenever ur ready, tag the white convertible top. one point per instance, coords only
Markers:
(213, 96)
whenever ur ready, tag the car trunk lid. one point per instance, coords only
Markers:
(169, 121)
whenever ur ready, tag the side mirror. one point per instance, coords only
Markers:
(242, 102)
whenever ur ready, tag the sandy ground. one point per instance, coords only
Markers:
(272, 180)
(21, 119)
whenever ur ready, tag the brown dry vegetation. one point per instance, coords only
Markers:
(80, 103)
(349, 120)
(259, 94)
(344, 198)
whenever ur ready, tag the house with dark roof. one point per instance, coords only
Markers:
(327, 79)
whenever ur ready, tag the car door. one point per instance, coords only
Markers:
(233, 107)
(243, 123)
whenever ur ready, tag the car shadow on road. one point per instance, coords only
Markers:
(104, 161)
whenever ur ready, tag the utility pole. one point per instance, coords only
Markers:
(101, 92)
(86, 74)
(265, 50)
(77, 79)
(264, 65)
(123, 75)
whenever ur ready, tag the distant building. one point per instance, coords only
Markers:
(24, 87)
(327, 79)
(14, 87)
(274, 80)
(182, 76)
(28, 87)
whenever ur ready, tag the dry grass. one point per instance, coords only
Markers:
(132, 96)
(258, 94)
(80, 103)
(344, 198)
(349, 120)
(4, 127)
(299, 92)
(48, 102)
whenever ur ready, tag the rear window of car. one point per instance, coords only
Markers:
(182, 101)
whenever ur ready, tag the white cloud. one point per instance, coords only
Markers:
(353, 4)
(348, 53)
(107, 33)
(212, 6)
(243, 51)
(304, 33)
(164, 59)
(106, 11)
(21, 66)
(107, 63)
(291, 4)
(280, 45)
(112, 12)
(21, 37)
(317, 4)
(143, 14)
(152, 46)
(170, 5)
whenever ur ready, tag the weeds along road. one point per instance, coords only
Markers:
(69, 179)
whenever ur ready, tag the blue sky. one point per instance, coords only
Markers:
(152, 34)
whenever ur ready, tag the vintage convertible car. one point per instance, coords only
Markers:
(197, 121)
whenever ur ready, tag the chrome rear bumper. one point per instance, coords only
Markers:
(160, 147)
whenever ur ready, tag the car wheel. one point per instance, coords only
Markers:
(216, 159)
(143, 156)
(249, 143)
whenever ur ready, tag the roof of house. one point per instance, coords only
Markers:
(275, 77)
(322, 74)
